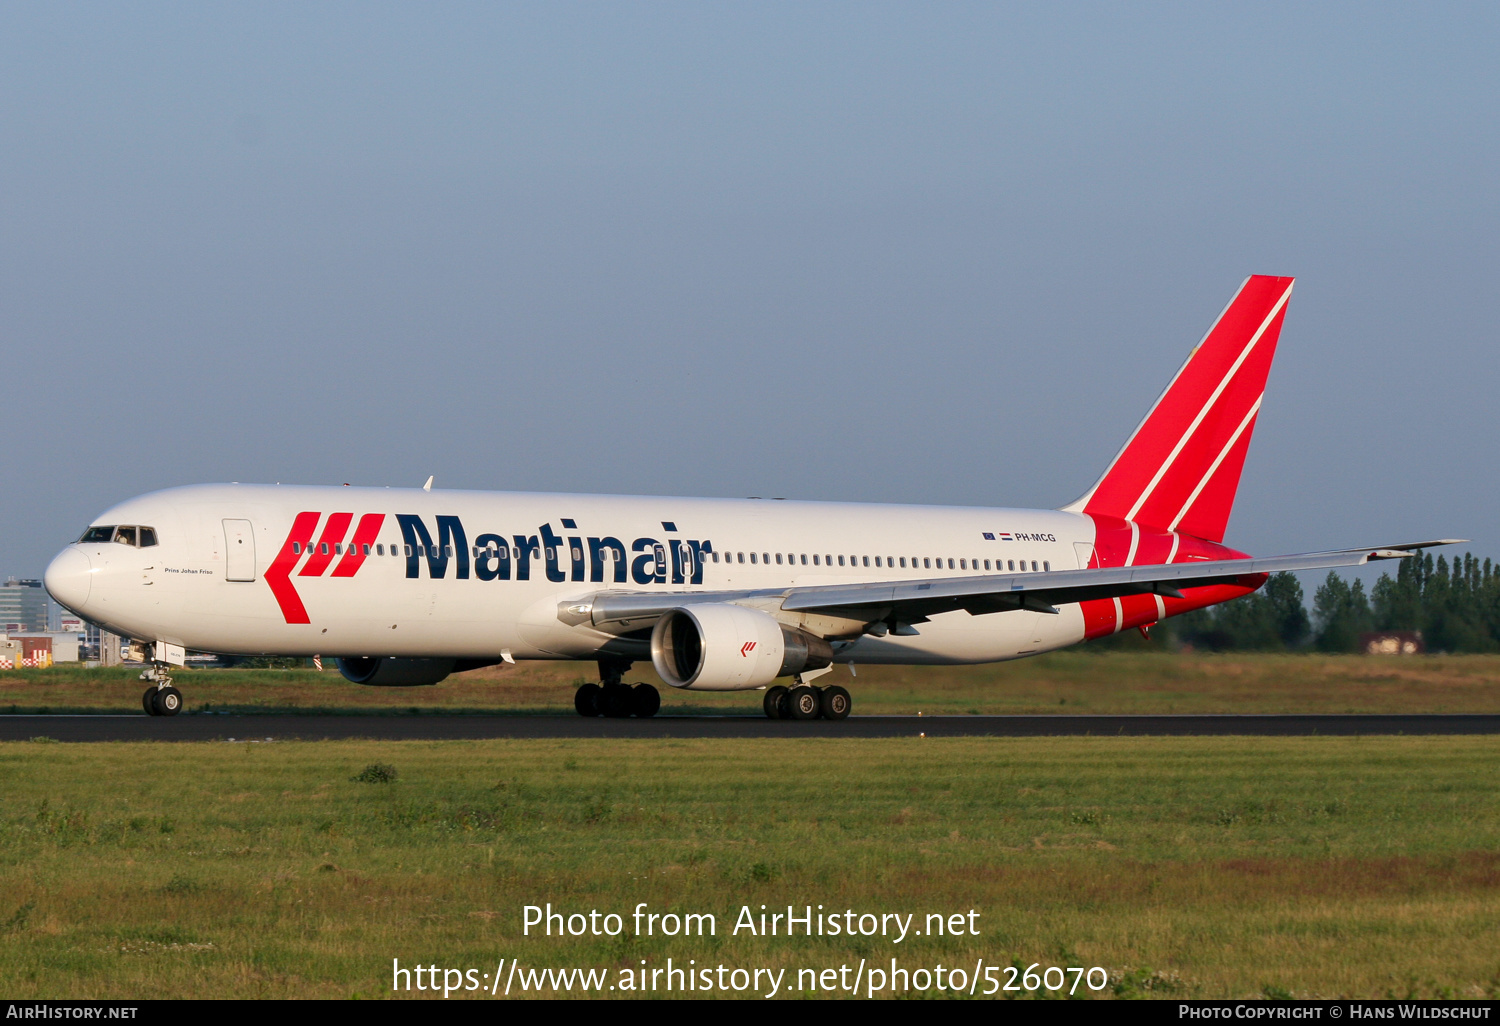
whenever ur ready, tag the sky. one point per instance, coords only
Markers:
(870, 252)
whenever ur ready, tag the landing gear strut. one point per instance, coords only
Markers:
(807, 702)
(614, 698)
(161, 698)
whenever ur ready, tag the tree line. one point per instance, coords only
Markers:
(1455, 605)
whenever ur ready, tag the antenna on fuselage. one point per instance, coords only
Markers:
(428, 486)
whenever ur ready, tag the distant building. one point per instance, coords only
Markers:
(23, 606)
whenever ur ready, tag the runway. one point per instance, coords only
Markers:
(213, 727)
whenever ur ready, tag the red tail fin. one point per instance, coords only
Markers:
(1180, 469)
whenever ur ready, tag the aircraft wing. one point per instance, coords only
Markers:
(913, 601)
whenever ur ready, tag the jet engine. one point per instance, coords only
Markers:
(721, 647)
(394, 673)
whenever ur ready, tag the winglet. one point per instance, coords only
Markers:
(428, 486)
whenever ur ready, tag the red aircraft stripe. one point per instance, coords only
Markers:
(364, 536)
(333, 534)
(278, 574)
(1191, 423)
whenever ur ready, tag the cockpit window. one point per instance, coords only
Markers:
(125, 534)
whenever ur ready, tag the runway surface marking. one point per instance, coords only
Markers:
(214, 727)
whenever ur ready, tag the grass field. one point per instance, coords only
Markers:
(1186, 867)
(1074, 681)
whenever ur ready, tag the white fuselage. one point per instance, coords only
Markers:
(224, 576)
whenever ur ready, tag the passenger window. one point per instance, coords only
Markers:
(765, 557)
(827, 559)
(1046, 566)
(1033, 565)
(804, 559)
(877, 560)
(841, 561)
(408, 549)
(98, 534)
(986, 564)
(741, 557)
(752, 557)
(148, 537)
(1012, 564)
(323, 548)
(866, 560)
(296, 549)
(125, 535)
(778, 559)
(379, 549)
(903, 562)
(816, 560)
(963, 565)
(927, 562)
(716, 557)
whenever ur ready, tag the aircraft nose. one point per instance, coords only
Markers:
(68, 578)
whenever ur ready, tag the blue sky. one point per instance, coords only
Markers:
(915, 253)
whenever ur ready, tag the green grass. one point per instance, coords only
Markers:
(1187, 867)
(1064, 682)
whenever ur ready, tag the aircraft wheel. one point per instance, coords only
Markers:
(835, 703)
(774, 702)
(616, 701)
(587, 700)
(804, 702)
(148, 701)
(168, 702)
(645, 700)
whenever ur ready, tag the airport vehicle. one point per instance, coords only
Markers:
(406, 586)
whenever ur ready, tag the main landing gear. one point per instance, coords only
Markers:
(161, 698)
(807, 702)
(613, 697)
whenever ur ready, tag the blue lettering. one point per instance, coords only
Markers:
(525, 549)
(493, 549)
(597, 548)
(419, 542)
(550, 544)
(650, 568)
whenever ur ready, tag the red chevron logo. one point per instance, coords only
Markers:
(330, 543)
(747, 648)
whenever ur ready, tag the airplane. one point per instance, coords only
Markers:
(406, 586)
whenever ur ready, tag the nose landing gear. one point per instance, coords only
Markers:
(161, 698)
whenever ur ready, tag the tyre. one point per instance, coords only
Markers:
(645, 700)
(616, 701)
(835, 703)
(587, 700)
(804, 702)
(148, 701)
(168, 702)
(775, 702)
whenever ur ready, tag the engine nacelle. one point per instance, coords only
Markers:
(394, 673)
(720, 647)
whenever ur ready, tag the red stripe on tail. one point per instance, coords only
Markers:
(1182, 466)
